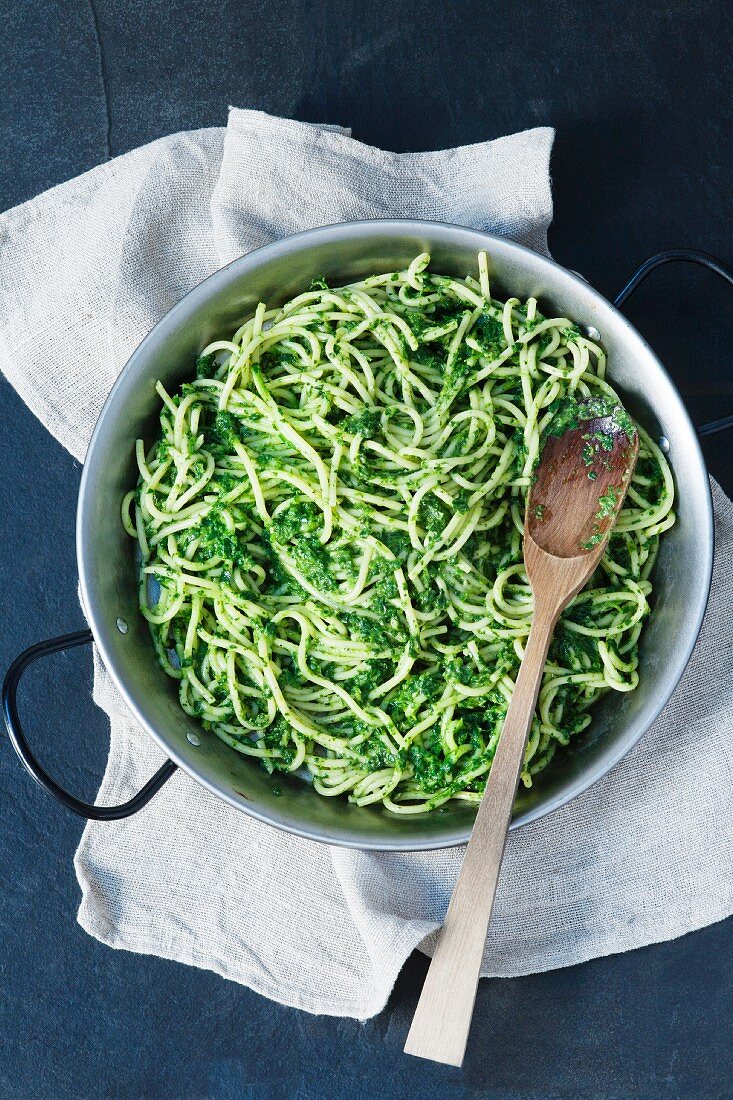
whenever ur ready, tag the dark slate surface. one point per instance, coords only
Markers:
(640, 95)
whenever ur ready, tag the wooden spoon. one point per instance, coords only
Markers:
(587, 458)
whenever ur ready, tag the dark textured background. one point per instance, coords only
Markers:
(640, 94)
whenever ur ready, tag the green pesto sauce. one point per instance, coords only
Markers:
(568, 413)
(607, 503)
(606, 507)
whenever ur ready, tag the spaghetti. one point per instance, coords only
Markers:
(330, 533)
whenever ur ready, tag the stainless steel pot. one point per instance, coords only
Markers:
(107, 569)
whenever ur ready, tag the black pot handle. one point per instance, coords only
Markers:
(41, 776)
(686, 255)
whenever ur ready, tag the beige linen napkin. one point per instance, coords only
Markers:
(644, 856)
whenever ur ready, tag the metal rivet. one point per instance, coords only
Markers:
(193, 739)
(592, 333)
(122, 625)
(664, 444)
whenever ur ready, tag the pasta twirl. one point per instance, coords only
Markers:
(330, 533)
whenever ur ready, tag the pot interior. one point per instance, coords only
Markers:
(344, 253)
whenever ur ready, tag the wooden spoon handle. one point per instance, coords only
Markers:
(442, 1018)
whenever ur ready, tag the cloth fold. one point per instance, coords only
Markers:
(644, 856)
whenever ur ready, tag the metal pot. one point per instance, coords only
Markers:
(108, 574)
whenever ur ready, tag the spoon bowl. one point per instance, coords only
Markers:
(588, 455)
